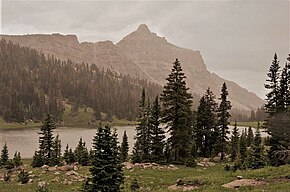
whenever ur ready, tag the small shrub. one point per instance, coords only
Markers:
(227, 167)
(134, 186)
(190, 162)
(7, 177)
(23, 177)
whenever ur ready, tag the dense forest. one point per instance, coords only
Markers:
(32, 84)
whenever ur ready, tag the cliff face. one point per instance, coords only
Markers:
(142, 54)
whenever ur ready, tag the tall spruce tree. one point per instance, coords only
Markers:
(206, 132)
(142, 131)
(177, 113)
(157, 133)
(81, 153)
(56, 152)
(223, 116)
(124, 147)
(250, 137)
(4, 156)
(273, 87)
(17, 159)
(106, 170)
(235, 141)
(46, 139)
(284, 89)
(243, 150)
(257, 160)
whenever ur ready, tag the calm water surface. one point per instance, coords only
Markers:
(26, 141)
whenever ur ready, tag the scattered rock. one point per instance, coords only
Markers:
(65, 168)
(57, 173)
(55, 179)
(243, 182)
(52, 169)
(41, 184)
(71, 173)
(239, 177)
(45, 167)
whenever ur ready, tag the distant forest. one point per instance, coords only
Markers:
(32, 84)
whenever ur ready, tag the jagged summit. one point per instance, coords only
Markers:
(143, 28)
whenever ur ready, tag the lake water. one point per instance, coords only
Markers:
(26, 140)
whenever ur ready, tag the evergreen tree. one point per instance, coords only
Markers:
(177, 113)
(206, 130)
(46, 139)
(142, 129)
(71, 156)
(17, 159)
(284, 89)
(4, 156)
(257, 160)
(243, 151)
(157, 133)
(56, 152)
(273, 87)
(223, 115)
(106, 170)
(81, 153)
(250, 137)
(37, 159)
(124, 148)
(136, 153)
(235, 143)
(66, 155)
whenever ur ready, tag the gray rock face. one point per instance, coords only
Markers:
(141, 54)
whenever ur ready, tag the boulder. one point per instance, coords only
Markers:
(69, 173)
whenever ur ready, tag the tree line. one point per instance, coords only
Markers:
(32, 85)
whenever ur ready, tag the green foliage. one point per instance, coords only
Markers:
(37, 159)
(206, 132)
(46, 139)
(7, 177)
(68, 155)
(250, 137)
(235, 142)
(134, 185)
(23, 177)
(56, 152)
(81, 153)
(17, 159)
(191, 162)
(257, 160)
(157, 133)
(4, 160)
(106, 170)
(223, 116)
(124, 148)
(176, 113)
(243, 151)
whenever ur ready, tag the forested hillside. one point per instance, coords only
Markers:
(32, 84)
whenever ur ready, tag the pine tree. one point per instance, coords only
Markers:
(17, 159)
(37, 159)
(124, 147)
(257, 160)
(106, 170)
(223, 115)
(243, 151)
(46, 139)
(136, 153)
(284, 89)
(273, 87)
(176, 113)
(235, 143)
(142, 129)
(250, 137)
(66, 155)
(56, 152)
(81, 153)
(206, 134)
(157, 133)
(4, 156)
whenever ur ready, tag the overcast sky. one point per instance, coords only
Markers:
(237, 39)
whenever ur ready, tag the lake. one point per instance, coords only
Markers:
(26, 140)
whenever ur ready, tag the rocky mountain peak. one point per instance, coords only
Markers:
(143, 28)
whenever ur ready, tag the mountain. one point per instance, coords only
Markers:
(142, 54)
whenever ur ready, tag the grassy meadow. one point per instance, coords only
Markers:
(159, 180)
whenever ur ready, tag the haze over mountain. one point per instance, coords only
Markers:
(142, 54)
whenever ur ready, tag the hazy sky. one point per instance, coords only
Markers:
(237, 39)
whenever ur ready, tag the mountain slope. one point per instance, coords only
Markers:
(142, 54)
